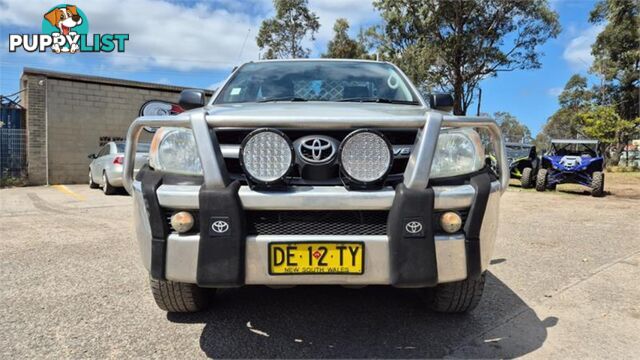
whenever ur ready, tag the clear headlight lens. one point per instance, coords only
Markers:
(266, 155)
(458, 152)
(365, 156)
(174, 150)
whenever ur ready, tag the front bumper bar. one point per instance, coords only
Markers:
(182, 251)
(317, 198)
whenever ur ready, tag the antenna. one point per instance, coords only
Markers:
(243, 44)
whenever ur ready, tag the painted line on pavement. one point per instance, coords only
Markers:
(65, 190)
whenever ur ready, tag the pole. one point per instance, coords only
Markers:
(479, 100)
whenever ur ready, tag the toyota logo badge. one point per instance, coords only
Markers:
(413, 227)
(317, 149)
(220, 226)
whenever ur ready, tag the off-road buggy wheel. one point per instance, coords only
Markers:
(455, 297)
(597, 184)
(526, 181)
(179, 297)
(541, 180)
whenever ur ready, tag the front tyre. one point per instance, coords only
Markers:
(597, 184)
(173, 296)
(527, 179)
(455, 297)
(541, 180)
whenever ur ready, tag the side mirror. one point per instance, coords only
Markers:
(442, 102)
(92, 156)
(191, 99)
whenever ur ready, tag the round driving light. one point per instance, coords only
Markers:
(182, 221)
(365, 156)
(266, 155)
(450, 222)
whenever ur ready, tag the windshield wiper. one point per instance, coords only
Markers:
(283, 98)
(379, 100)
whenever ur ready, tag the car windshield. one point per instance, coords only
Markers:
(142, 147)
(344, 81)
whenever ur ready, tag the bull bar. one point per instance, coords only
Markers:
(416, 175)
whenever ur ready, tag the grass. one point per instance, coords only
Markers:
(10, 181)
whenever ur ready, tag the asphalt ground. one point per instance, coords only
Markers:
(563, 283)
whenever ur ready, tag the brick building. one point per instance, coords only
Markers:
(68, 116)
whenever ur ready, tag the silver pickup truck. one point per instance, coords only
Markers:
(323, 172)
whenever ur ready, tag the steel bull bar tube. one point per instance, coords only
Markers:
(416, 174)
(412, 256)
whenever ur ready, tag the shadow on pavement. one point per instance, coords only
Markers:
(379, 322)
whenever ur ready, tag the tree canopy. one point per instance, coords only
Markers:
(604, 123)
(342, 46)
(453, 44)
(512, 129)
(607, 112)
(281, 37)
(616, 53)
(574, 99)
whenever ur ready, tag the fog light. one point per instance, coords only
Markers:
(365, 156)
(450, 222)
(182, 221)
(266, 156)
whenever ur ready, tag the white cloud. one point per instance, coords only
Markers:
(216, 85)
(207, 35)
(554, 91)
(162, 34)
(357, 12)
(578, 52)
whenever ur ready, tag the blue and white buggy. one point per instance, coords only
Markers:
(572, 162)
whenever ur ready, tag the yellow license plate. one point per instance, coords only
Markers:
(290, 258)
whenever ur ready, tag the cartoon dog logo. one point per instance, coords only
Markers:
(65, 19)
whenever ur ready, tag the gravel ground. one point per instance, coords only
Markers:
(563, 283)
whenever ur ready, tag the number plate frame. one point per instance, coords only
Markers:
(270, 265)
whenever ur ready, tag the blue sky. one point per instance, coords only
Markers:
(197, 44)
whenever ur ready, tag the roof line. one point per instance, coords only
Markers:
(104, 80)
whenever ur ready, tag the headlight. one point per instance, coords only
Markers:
(365, 156)
(174, 150)
(458, 152)
(266, 156)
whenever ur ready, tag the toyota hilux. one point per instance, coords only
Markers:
(316, 172)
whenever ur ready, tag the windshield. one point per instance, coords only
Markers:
(345, 81)
(141, 148)
(516, 152)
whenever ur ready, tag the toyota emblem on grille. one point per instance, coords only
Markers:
(413, 227)
(317, 149)
(220, 226)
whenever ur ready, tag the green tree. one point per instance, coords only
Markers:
(616, 54)
(512, 129)
(604, 123)
(574, 99)
(281, 36)
(342, 46)
(454, 44)
(542, 142)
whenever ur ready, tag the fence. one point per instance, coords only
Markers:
(13, 155)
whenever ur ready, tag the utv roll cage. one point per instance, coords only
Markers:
(562, 147)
